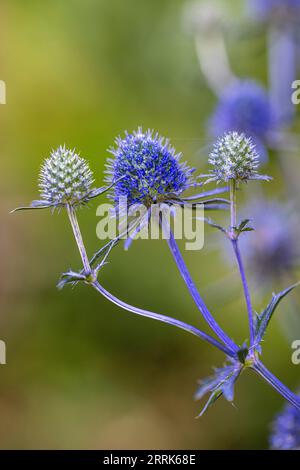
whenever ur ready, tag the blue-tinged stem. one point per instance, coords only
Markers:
(234, 240)
(78, 237)
(246, 289)
(212, 192)
(232, 204)
(276, 384)
(229, 343)
(130, 308)
(162, 318)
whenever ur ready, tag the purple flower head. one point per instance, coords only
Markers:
(244, 107)
(271, 250)
(278, 10)
(285, 433)
(146, 169)
(146, 174)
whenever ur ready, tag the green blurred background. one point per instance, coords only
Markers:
(80, 372)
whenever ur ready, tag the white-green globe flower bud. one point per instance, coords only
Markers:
(234, 157)
(65, 179)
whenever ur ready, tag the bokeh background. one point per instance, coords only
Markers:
(80, 372)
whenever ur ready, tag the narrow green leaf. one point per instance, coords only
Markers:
(243, 227)
(243, 224)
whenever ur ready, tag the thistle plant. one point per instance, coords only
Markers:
(234, 158)
(65, 180)
(245, 107)
(147, 170)
(285, 430)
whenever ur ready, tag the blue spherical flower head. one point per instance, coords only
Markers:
(245, 107)
(285, 434)
(146, 169)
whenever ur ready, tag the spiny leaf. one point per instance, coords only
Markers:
(243, 224)
(33, 205)
(222, 383)
(70, 277)
(261, 177)
(264, 318)
(212, 192)
(213, 224)
(212, 399)
(243, 227)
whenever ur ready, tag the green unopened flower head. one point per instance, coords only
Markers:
(234, 157)
(65, 179)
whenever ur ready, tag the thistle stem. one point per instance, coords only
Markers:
(162, 318)
(261, 370)
(234, 241)
(233, 210)
(196, 296)
(78, 238)
(245, 288)
(130, 308)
